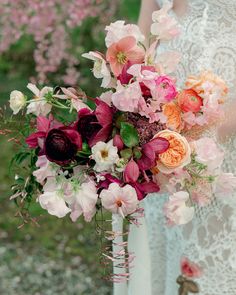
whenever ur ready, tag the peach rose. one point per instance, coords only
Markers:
(173, 113)
(178, 154)
(189, 101)
(197, 83)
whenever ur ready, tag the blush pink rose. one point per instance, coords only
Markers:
(166, 86)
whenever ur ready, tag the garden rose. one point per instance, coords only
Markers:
(189, 101)
(173, 113)
(167, 86)
(17, 101)
(177, 155)
(61, 145)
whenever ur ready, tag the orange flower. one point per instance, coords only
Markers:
(178, 154)
(189, 101)
(119, 53)
(173, 113)
(197, 82)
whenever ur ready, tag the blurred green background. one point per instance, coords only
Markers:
(58, 257)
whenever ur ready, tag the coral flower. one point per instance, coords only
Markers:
(173, 113)
(189, 101)
(124, 51)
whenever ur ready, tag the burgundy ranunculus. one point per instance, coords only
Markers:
(58, 142)
(95, 125)
(61, 145)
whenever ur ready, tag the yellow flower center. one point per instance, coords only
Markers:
(121, 58)
(104, 154)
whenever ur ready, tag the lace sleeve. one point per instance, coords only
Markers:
(162, 2)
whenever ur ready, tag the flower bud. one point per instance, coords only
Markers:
(17, 101)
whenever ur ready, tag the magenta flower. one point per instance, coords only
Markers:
(95, 126)
(150, 152)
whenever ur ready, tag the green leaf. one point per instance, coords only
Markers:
(129, 135)
(126, 154)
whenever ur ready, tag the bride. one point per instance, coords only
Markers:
(207, 41)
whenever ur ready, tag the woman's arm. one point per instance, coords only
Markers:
(147, 8)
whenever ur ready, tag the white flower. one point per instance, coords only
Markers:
(84, 201)
(100, 69)
(53, 199)
(176, 210)
(17, 101)
(118, 30)
(105, 155)
(39, 106)
(120, 200)
(46, 169)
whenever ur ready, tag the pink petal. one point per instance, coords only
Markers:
(102, 135)
(131, 173)
(43, 124)
(32, 140)
(103, 113)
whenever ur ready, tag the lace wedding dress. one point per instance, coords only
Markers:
(208, 41)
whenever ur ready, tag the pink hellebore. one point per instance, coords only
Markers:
(95, 126)
(131, 175)
(119, 200)
(190, 269)
(123, 51)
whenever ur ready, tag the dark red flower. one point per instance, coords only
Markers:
(95, 125)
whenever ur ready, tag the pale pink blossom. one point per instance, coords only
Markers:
(126, 99)
(164, 27)
(124, 51)
(201, 192)
(225, 185)
(119, 200)
(190, 269)
(53, 199)
(39, 105)
(100, 69)
(208, 153)
(143, 73)
(84, 201)
(176, 210)
(118, 30)
(167, 62)
(107, 97)
(45, 169)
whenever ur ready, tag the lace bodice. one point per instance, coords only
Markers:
(208, 41)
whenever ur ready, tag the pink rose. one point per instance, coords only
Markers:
(166, 87)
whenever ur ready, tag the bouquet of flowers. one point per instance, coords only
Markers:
(142, 135)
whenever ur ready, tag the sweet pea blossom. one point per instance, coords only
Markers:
(45, 169)
(17, 101)
(53, 199)
(119, 200)
(126, 99)
(124, 51)
(84, 201)
(176, 210)
(39, 105)
(105, 155)
(208, 153)
(100, 69)
(164, 26)
(225, 185)
(118, 30)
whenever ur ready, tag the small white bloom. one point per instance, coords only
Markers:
(100, 69)
(53, 199)
(45, 169)
(176, 210)
(106, 97)
(39, 106)
(105, 155)
(17, 101)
